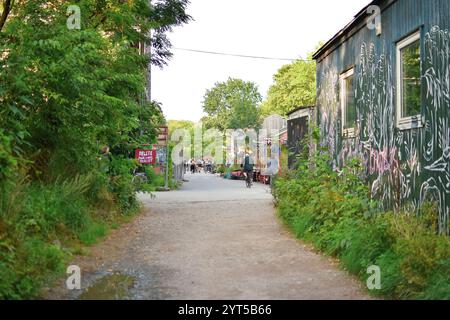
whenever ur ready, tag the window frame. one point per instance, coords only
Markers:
(346, 132)
(415, 121)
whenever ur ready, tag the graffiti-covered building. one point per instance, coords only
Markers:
(297, 130)
(383, 95)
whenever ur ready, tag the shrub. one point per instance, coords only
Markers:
(94, 231)
(155, 180)
(27, 267)
(121, 184)
(83, 97)
(8, 163)
(36, 220)
(334, 211)
(221, 169)
(48, 209)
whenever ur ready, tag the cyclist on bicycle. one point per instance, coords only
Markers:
(248, 169)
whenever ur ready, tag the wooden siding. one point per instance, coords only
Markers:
(404, 167)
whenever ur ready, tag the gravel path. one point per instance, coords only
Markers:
(212, 239)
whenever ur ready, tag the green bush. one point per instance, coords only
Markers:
(26, 268)
(155, 180)
(8, 163)
(49, 209)
(121, 184)
(334, 211)
(40, 223)
(70, 127)
(36, 215)
(94, 231)
(221, 169)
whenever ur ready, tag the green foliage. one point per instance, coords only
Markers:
(221, 169)
(121, 183)
(93, 232)
(155, 180)
(8, 163)
(38, 256)
(333, 211)
(46, 209)
(180, 124)
(24, 270)
(294, 86)
(233, 104)
(72, 113)
(32, 230)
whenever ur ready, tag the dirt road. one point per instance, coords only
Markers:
(212, 239)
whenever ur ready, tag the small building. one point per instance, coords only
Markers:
(383, 95)
(273, 126)
(298, 125)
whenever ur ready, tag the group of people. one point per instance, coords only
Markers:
(200, 165)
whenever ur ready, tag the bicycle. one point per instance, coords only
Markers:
(248, 179)
(139, 179)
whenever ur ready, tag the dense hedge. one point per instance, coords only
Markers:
(333, 211)
(73, 110)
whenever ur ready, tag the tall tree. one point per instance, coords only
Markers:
(180, 124)
(71, 114)
(65, 93)
(6, 6)
(294, 86)
(233, 104)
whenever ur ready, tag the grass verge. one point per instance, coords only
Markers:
(43, 226)
(334, 212)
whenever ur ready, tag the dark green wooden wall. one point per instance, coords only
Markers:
(404, 167)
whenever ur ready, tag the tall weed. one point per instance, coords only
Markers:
(334, 211)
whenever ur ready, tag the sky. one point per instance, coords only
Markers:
(287, 29)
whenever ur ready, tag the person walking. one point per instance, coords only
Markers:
(199, 165)
(193, 169)
(209, 166)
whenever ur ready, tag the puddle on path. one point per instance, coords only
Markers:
(111, 287)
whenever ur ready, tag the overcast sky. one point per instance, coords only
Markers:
(279, 29)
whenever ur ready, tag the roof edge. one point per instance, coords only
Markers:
(352, 25)
(298, 109)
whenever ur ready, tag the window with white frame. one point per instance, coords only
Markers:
(409, 97)
(348, 103)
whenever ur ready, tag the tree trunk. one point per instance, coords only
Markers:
(5, 13)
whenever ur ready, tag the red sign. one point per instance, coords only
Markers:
(146, 156)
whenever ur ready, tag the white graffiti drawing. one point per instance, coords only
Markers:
(436, 140)
(375, 104)
(328, 107)
(406, 168)
(442, 165)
